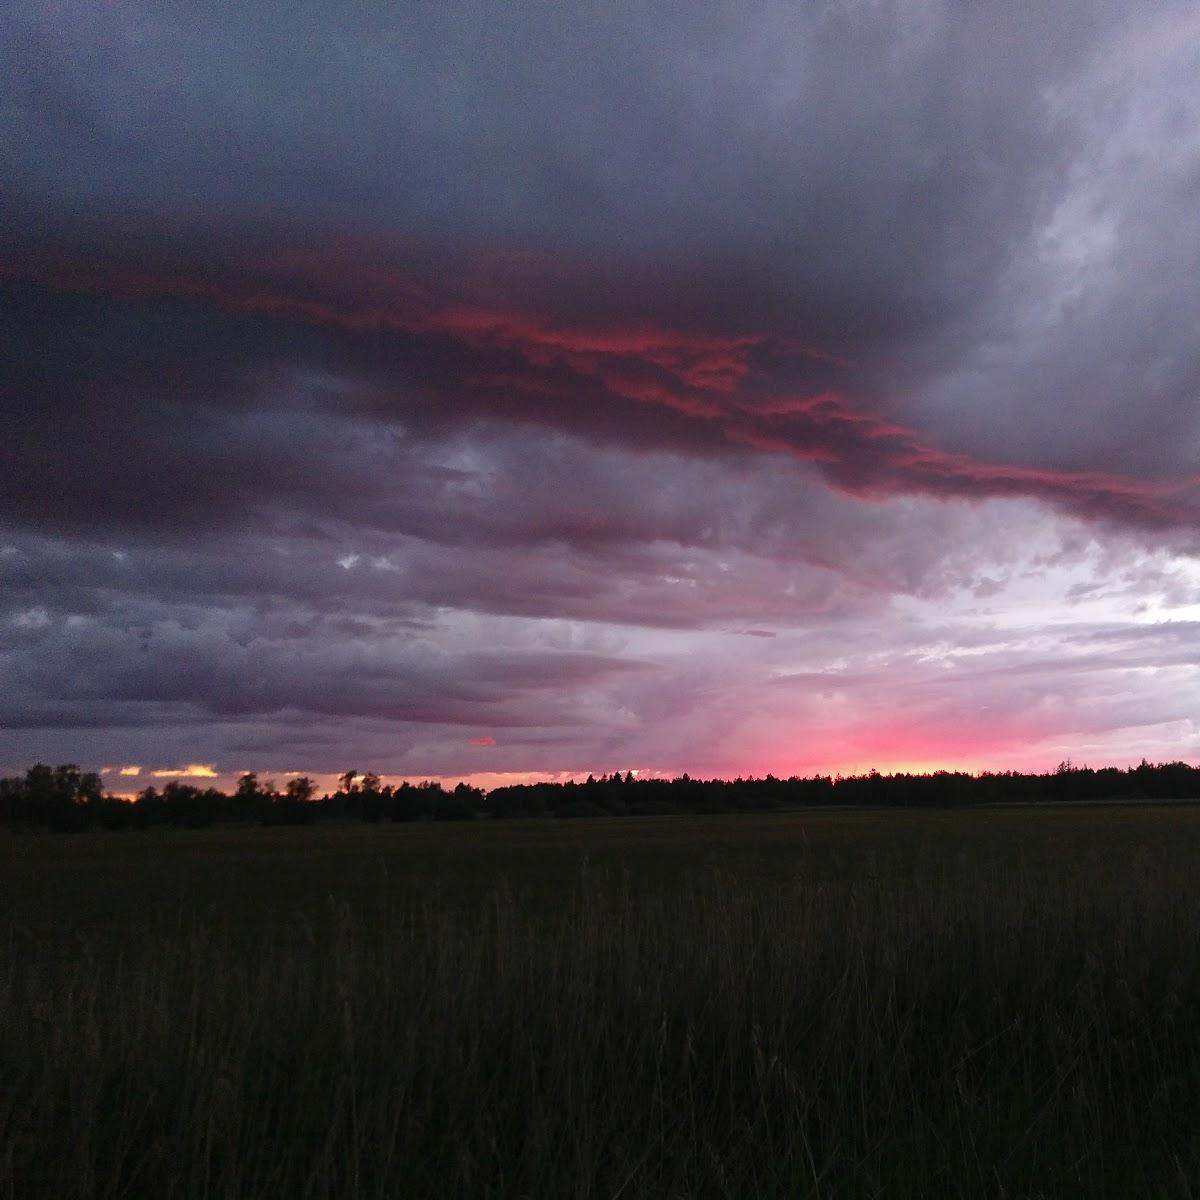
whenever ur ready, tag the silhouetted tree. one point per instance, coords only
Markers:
(374, 801)
(405, 804)
(300, 789)
(295, 806)
(188, 806)
(55, 797)
(250, 800)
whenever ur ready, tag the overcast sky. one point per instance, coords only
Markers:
(495, 390)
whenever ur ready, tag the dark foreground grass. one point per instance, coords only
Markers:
(843, 1005)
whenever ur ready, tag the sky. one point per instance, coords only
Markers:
(499, 391)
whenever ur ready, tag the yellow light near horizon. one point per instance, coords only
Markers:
(190, 771)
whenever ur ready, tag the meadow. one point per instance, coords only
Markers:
(907, 1003)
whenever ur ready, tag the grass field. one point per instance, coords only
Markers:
(990, 1002)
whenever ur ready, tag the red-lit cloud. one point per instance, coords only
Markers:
(706, 377)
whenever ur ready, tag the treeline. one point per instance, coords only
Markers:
(624, 795)
(65, 798)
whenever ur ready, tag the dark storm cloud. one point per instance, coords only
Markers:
(606, 221)
(717, 128)
(254, 429)
(154, 664)
(329, 332)
(792, 167)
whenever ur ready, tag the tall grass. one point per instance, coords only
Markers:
(979, 1030)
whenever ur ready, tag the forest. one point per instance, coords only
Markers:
(67, 799)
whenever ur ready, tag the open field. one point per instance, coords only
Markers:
(999, 1002)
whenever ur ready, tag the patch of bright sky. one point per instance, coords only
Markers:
(30, 618)
(1050, 586)
(1182, 601)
